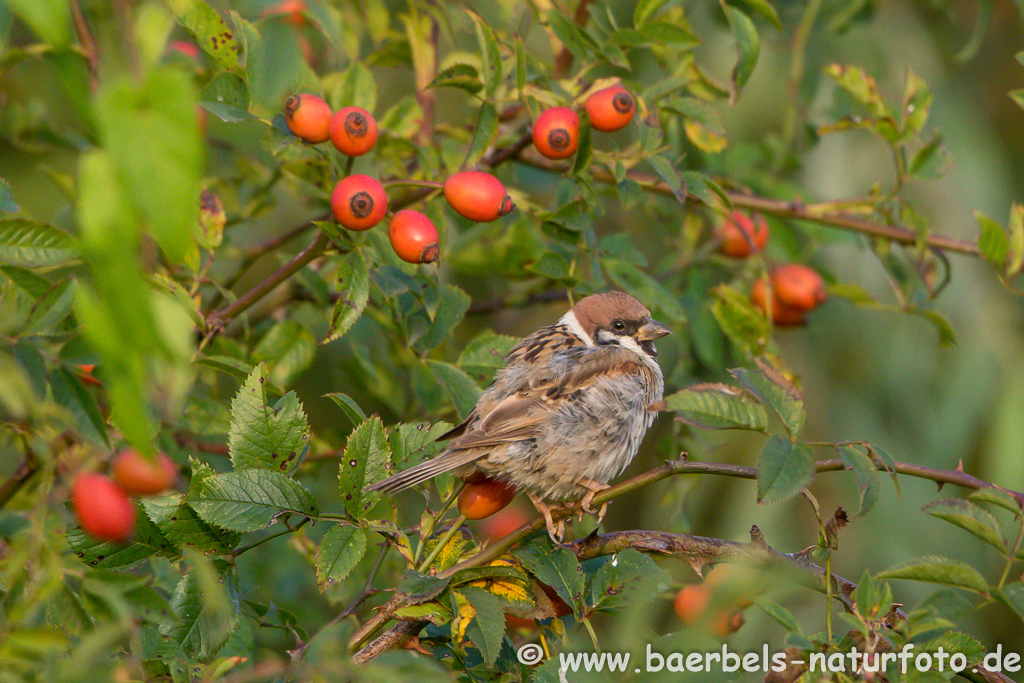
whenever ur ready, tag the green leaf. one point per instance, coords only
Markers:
(939, 570)
(570, 36)
(31, 244)
(743, 324)
(487, 350)
(264, 437)
(205, 613)
(748, 45)
(434, 612)
(70, 393)
(339, 552)
(484, 130)
(415, 588)
(718, 406)
(556, 567)
(180, 524)
(366, 458)
(1015, 255)
(7, 203)
(356, 87)
(771, 386)
(644, 10)
(985, 11)
(994, 496)
(48, 19)
(867, 476)
(765, 9)
(947, 337)
(146, 540)
(349, 406)
(888, 462)
(209, 31)
(490, 55)
(778, 613)
(917, 100)
(521, 74)
(27, 281)
(931, 161)
(460, 387)
(1012, 595)
(250, 499)
(666, 33)
(487, 629)
(451, 309)
(52, 308)
(355, 277)
(462, 76)
(667, 171)
(153, 137)
(973, 519)
(784, 468)
(408, 439)
(624, 578)
(289, 348)
(861, 86)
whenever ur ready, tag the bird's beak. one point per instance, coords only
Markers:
(652, 330)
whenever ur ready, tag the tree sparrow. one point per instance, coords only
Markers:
(568, 411)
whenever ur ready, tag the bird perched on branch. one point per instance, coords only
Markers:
(566, 414)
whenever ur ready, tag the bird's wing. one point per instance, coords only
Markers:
(520, 415)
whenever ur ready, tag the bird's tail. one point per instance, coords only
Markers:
(445, 462)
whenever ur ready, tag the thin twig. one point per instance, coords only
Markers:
(88, 44)
(24, 472)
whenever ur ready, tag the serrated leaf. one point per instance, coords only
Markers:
(867, 476)
(487, 350)
(718, 406)
(748, 46)
(939, 570)
(996, 497)
(209, 31)
(487, 629)
(355, 277)
(366, 458)
(184, 528)
(349, 406)
(771, 386)
(31, 244)
(973, 519)
(415, 587)
(460, 387)
(451, 308)
(236, 368)
(262, 436)
(484, 130)
(70, 393)
(462, 76)
(339, 552)
(557, 567)
(250, 499)
(490, 54)
(784, 468)
(431, 611)
(992, 240)
(626, 577)
(407, 440)
(205, 614)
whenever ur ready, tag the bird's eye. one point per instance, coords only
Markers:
(618, 325)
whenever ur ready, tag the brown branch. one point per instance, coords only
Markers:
(18, 478)
(700, 550)
(88, 44)
(824, 213)
(186, 439)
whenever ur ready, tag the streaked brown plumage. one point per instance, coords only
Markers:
(568, 411)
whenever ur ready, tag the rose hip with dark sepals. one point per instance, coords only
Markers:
(413, 237)
(353, 131)
(610, 109)
(308, 117)
(359, 202)
(103, 509)
(556, 133)
(477, 196)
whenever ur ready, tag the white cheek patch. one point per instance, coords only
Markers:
(570, 321)
(632, 344)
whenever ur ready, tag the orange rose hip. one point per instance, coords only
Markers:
(743, 235)
(610, 109)
(556, 133)
(413, 237)
(103, 509)
(142, 477)
(798, 286)
(359, 202)
(308, 117)
(353, 131)
(477, 196)
(484, 498)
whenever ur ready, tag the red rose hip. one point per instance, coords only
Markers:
(477, 196)
(798, 286)
(359, 202)
(743, 235)
(103, 509)
(141, 477)
(413, 237)
(556, 133)
(353, 131)
(308, 117)
(610, 109)
(484, 498)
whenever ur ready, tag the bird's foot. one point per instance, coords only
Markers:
(556, 530)
(587, 502)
